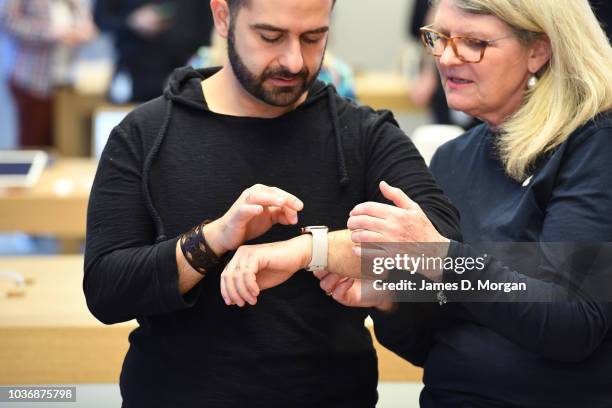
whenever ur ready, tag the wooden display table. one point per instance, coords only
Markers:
(72, 120)
(385, 90)
(48, 336)
(56, 205)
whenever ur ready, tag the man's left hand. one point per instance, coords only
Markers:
(257, 267)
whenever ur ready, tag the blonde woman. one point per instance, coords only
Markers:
(539, 74)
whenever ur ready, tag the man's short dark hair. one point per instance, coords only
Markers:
(235, 5)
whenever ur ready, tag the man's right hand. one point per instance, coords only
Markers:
(256, 210)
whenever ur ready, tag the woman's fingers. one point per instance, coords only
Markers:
(367, 222)
(341, 290)
(361, 236)
(329, 282)
(397, 196)
(320, 274)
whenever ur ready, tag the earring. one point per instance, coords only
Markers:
(532, 82)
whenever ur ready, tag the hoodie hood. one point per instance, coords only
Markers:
(184, 90)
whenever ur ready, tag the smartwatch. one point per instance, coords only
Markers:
(318, 261)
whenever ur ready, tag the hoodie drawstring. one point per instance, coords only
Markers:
(159, 225)
(343, 176)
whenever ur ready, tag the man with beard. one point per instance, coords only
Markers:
(256, 146)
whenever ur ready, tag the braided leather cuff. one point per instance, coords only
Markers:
(196, 250)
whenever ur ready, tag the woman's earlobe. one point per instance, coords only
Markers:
(541, 53)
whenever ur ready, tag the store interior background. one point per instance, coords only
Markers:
(367, 35)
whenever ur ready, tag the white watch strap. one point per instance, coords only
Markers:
(319, 248)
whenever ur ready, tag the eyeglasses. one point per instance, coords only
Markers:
(465, 48)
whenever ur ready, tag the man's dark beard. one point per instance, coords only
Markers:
(275, 96)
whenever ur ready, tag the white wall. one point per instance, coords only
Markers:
(369, 34)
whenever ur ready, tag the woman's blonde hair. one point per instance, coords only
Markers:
(573, 87)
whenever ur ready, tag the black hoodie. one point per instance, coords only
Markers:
(173, 163)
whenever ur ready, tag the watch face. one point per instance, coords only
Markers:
(313, 227)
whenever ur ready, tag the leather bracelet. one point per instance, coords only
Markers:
(196, 250)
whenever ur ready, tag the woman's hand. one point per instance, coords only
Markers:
(405, 222)
(352, 292)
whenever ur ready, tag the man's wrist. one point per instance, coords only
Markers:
(212, 233)
(303, 244)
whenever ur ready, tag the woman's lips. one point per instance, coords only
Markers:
(457, 83)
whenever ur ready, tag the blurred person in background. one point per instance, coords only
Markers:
(427, 90)
(152, 38)
(45, 35)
